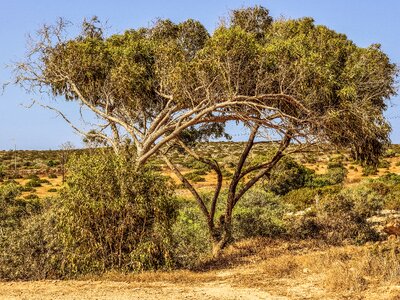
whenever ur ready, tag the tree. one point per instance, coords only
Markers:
(175, 84)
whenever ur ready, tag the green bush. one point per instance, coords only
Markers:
(287, 176)
(336, 174)
(108, 212)
(44, 181)
(258, 214)
(344, 219)
(369, 170)
(32, 183)
(2, 172)
(52, 163)
(32, 250)
(190, 236)
(31, 196)
(340, 216)
(302, 198)
(194, 177)
(384, 164)
(201, 172)
(108, 217)
(12, 208)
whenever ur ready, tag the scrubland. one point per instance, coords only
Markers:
(319, 238)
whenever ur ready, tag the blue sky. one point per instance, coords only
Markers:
(365, 22)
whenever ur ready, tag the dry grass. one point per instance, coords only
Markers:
(282, 269)
(260, 262)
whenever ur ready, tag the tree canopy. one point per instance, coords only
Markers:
(153, 83)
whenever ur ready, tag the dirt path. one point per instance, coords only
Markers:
(100, 290)
(44, 290)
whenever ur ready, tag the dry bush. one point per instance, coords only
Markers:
(342, 277)
(282, 267)
(354, 269)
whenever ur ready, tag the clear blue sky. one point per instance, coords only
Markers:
(365, 22)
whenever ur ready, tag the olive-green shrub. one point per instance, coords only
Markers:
(108, 217)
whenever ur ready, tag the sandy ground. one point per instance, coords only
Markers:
(122, 290)
(224, 284)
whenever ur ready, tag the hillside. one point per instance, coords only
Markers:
(48, 165)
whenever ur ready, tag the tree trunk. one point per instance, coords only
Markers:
(221, 237)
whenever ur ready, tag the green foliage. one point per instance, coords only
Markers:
(114, 218)
(288, 175)
(52, 163)
(259, 214)
(339, 217)
(324, 75)
(195, 177)
(336, 174)
(2, 172)
(31, 196)
(190, 236)
(32, 250)
(369, 170)
(255, 20)
(108, 217)
(13, 209)
(383, 164)
(301, 198)
(32, 183)
(388, 187)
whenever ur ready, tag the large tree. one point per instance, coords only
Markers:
(172, 84)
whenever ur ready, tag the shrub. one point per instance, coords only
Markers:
(31, 196)
(302, 198)
(32, 250)
(190, 236)
(339, 217)
(52, 175)
(369, 170)
(258, 214)
(336, 174)
(201, 172)
(286, 176)
(52, 163)
(114, 218)
(107, 217)
(304, 227)
(2, 172)
(194, 177)
(12, 208)
(384, 164)
(344, 218)
(226, 173)
(32, 183)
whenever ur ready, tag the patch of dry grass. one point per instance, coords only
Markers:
(344, 270)
(296, 269)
